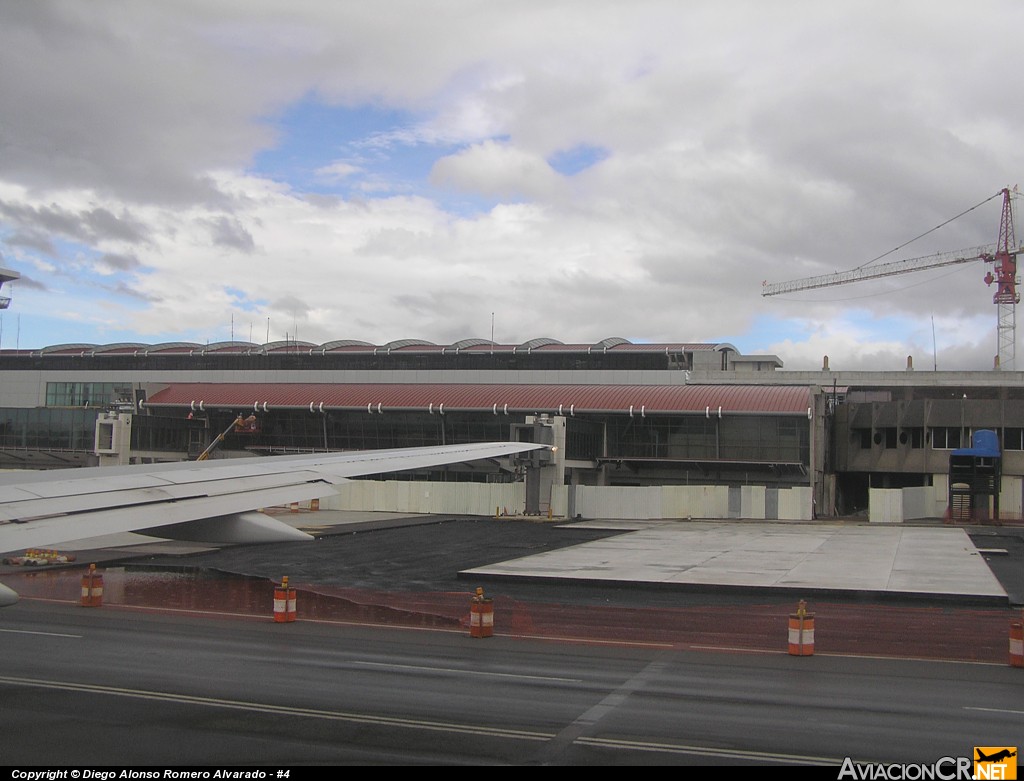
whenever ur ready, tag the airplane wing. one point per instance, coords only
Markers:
(212, 498)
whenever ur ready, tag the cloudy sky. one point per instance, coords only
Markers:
(192, 169)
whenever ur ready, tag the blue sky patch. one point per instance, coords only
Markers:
(242, 300)
(345, 151)
(359, 153)
(764, 331)
(571, 161)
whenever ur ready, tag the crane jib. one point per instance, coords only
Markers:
(986, 253)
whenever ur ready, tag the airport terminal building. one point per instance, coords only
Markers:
(651, 430)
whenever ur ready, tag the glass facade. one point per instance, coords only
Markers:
(86, 394)
(684, 438)
(48, 429)
(697, 438)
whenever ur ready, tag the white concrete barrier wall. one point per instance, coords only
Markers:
(894, 505)
(885, 505)
(918, 503)
(416, 497)
(625, 502)
(940, 495)
(686, 501)
(559, 500)
(795, 504)
(695, 501)
(1011, 497)
(752, 503)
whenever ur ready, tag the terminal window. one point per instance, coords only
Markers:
(949, 437)
(86, 394)
(1013, 439)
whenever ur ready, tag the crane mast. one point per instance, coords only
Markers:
(1006, 298)
(1002, 256)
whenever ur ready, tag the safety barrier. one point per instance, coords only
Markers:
(92, 588)
(801, 631)
(285, 603)
(1017, 644)
(481, 615)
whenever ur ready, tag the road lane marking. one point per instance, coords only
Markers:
(267, 708)
(878, 657)
(996, 710)
(45, 634)
(589, 718)
(466, 672)
(705, 751)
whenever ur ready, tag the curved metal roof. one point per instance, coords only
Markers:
(612, 341)
(328, 346)
(475, 344)
(69, 348)
(539, 342)
(464, 343)
(174, 347)
(289, 345)
(638, 400)
(119, 347)
(398, 344)
(490, 347)
(233, 347)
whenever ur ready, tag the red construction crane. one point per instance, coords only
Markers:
(1002, 256)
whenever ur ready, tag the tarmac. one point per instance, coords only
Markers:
(842, 559)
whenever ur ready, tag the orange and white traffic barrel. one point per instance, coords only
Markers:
(801, 631)
(481, 615)
(285, 603)
(1016, 644)
(92, 588)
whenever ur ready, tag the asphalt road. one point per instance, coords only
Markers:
(125, 687)
(649, 677)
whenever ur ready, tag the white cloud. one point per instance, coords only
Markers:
(745, 141)
(498, 170)
(338, 171)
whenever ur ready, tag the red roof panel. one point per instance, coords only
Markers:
(571, 399)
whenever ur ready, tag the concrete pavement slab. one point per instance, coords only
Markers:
(897, 561)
